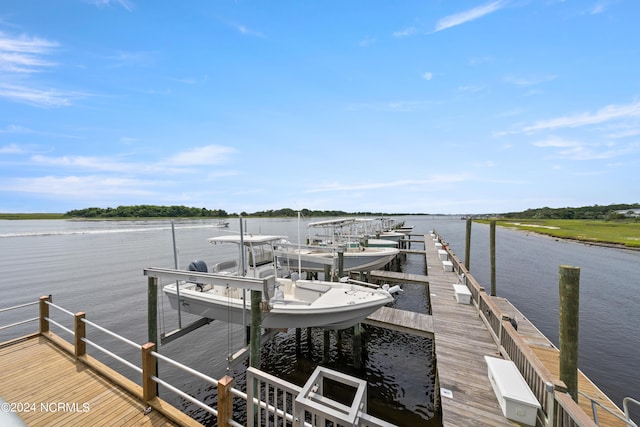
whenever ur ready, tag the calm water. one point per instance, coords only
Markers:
(97, 266)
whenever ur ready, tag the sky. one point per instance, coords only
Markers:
(407, 106)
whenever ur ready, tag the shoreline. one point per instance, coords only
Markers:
(577, 241)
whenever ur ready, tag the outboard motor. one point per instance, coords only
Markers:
(198, 265)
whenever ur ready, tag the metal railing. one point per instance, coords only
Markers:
(274, 398)
(21, 322)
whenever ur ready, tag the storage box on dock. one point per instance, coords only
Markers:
(463, 295)
(517, 401)
(447, 265)
(442, 254)
(438, 245)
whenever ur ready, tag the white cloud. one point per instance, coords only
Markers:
(44, 98)
(470, 89)
(434, 180)
(24, 54)
(610, 112)
(244, 30)
(207, 155)
(390, 106)
(406, 32)
(104, 3)
(11, 149)
(528, 81)
(427, 76)
(579, 151)
(468, 15)
(79, 187)
(367, 41)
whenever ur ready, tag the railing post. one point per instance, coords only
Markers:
(551, 404)
(225, 401)
(44, 313)
(80, 332)
(149, 369)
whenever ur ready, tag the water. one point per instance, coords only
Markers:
(96, 267)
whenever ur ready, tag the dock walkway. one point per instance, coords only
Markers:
(461, 342)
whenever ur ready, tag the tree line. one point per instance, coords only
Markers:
(608, 212)
(147, 211)
(152, 211)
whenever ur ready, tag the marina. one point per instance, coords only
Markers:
(470, 393)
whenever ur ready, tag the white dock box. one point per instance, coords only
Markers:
(447, 265)
(438, 245)
(517, 401)
(442, 254)
(463, 295)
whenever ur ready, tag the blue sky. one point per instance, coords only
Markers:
(394, 106)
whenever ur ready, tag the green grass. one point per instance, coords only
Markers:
(32, 216)
(626, 233)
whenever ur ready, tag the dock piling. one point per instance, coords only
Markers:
(152, 309)
(492, 250)
(467, 245)
(569, 320)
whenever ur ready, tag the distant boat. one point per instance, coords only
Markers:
(221, 224)
(292, 302)
(336, 237)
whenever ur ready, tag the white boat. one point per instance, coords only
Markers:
(221, 224)
(291, 303)
(314, 258)
(336, 239)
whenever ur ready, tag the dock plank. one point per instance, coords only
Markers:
(54, 377)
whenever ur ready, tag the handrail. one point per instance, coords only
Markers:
(595, 404)
(625, 406)
(49, 303)
(185, 368)
(113, 334)
(17, 306)
(185, 395)
(64, 328)
(11, 325)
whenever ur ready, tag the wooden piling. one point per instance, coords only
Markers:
(467, 245)
(326, 347)
(569, 320)
(357, 346)
(492, 250)
(256, 316)
(152, 310)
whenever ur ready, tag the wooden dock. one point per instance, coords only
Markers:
(48, 386)
(461, 342)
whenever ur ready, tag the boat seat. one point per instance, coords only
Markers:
(224, 265)
(311, 286)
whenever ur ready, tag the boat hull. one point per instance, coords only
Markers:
(315, 259)
(336, 306)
